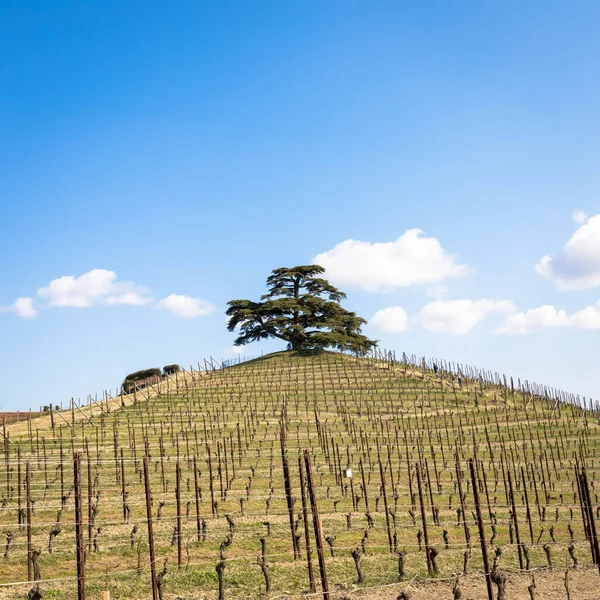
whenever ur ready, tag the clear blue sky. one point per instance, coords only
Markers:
(179, 151)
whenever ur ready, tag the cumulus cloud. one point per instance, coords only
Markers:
(549, 317)
(24, 308)
(577, 265)
(101, 287)
(131, 298)
(384, 266)
(459, 317)
(579, 216)
(98, 286)
(393, 319)
(586, 318)
(186, 306)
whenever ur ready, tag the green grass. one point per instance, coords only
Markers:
(361, 405)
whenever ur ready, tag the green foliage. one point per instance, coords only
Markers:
(171, 369)
(301, 309)
(143, 374)
(139, 376)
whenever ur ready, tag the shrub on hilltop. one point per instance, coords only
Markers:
(139, 378)
(171, 369)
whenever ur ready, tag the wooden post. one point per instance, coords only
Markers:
(196, 493)
(463, 508)
(61, 464)
(220, 471)
(317, 526)
(486, 565)
(19, 486)
(352, 480)
(364, 484)
(7, 457)
(385, 503)
(288, 490)
(423, 519)
(591, 519)
(123, 491)
(150, 531)
(210, 477)
(516, 520)
(90, 493)
(524, 482)
(178, 498)
(584, 513)
(311, 575)
(79, 527)
(28, 501)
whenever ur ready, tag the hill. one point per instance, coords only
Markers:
(439, 461)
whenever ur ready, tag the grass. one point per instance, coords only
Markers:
(340, 408)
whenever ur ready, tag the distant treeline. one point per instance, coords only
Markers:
(147, 376)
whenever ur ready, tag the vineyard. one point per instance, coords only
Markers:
(306, 475)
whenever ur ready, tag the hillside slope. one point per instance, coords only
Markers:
(221, 447)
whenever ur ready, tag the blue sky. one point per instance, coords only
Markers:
(177, 152)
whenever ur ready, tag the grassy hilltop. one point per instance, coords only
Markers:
(395, 425)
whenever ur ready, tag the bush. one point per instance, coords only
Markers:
(171, 369)
(143, 374)
(132, 378)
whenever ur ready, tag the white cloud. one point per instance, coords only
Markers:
(459, 317)
(100, 287)
(549, 317)
(393, 319)
(97, 286)
(586, 318)
(577, 265)
(579, 216)
(131, 298)
(534, 318)
(186, 306)
(24, 308)
(383, 266)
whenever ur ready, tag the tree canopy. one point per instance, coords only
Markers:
(132, 379)
(302, 309)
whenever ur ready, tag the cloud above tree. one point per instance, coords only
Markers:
(410, 260)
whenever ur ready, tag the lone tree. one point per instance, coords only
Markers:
(299, 308)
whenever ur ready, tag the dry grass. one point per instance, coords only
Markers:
(359, 405)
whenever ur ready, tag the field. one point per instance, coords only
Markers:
(450, 468)
(15, 417)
